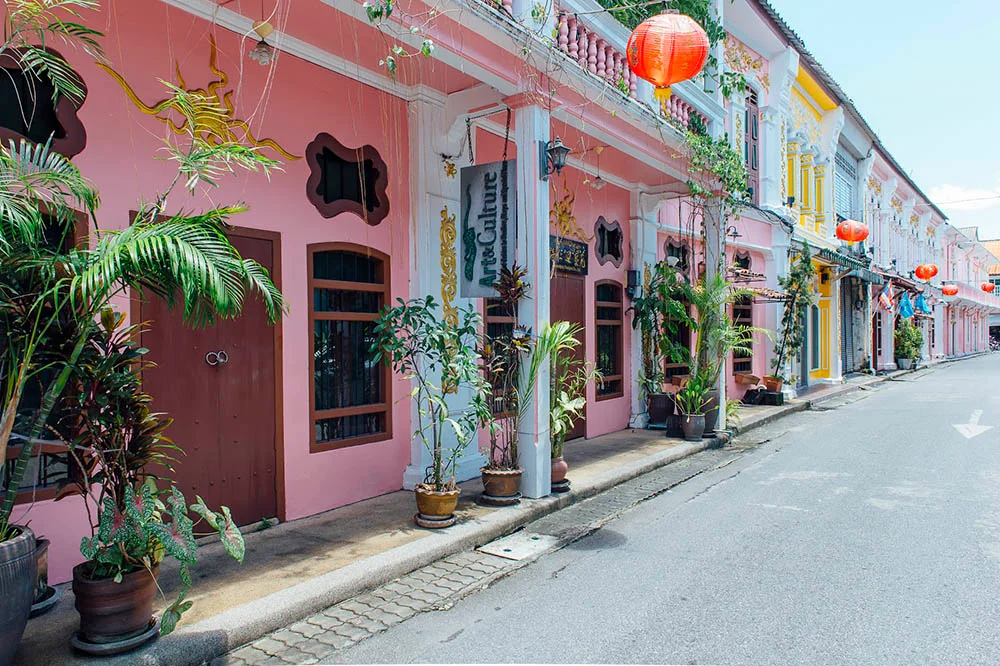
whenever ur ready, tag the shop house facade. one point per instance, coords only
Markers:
(294, 419)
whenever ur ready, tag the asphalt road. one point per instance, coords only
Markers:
(865, 533)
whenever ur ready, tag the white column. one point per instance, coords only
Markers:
(643, 252)
(431, 191)
(531, 127)
(714, 249)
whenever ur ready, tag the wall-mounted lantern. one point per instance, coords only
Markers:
(552, 157)
(632, 286)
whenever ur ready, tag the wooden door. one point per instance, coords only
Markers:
(218, 384)
(567, 302)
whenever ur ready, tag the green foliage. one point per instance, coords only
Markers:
(30, 25)
(717, 173)
(798, 288)
(438, 358)
(569, 379)
(717, 335)
(693, 398)
(908, 339)
(660, 314)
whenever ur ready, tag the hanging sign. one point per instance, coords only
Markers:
(489, 214)
(567, 255)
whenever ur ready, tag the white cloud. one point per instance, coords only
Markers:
(952, 198)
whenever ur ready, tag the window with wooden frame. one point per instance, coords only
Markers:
(350, 397)
(499, 321)
(751, 145)
(878, 336)
(743, 317)
(608, 311)
(52, 470)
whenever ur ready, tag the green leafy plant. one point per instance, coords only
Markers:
(660, 313)
(52, 292)
(570, 377)
(439, 358)
(798, 288)
(717, 173)
(717, 335)
(693, 398)
(908, 340)
(502, 358)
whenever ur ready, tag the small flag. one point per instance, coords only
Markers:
(921, 305)
(905, 306)
(885, 298)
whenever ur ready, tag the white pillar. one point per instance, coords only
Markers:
(643, 253)
(532, 127)
(431, 191)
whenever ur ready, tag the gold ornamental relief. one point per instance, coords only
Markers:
(215, 118)
(562, 218)
(449, 274)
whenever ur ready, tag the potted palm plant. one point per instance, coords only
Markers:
(569, 380)
(116, 441)
(660, 313)
(717, 336)
(439, 358)
(503, 358)
(908, 344)
(691, 403)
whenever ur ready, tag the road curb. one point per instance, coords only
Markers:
(210, 638)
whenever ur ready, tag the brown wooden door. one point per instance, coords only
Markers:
(567, 302)
(224, 412)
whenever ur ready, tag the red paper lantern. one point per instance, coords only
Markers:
(667, 49)
(852, 231)
(949, 289)
(926, 271)
(988, 287)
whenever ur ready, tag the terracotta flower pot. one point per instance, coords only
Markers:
(17, 587)
(435, 508)
(773, 384)
(501, 487)
(111, 612)
(693, 426)
(559, 469)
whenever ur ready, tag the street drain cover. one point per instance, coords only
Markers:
(519, 545)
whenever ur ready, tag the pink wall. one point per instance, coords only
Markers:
(120, 158)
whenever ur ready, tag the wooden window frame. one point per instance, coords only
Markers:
(496, 319)
(617, 323)
(751, 140)
(384, 407)
(314, 150)
(743, 306)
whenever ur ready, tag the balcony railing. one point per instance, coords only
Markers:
(597, 43)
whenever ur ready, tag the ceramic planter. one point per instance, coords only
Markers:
(46, 596)
(17, 587)
(113, 612)
(905, 363)
(435, 508)
(693, 426)
(712, 411)
(773, 384)
(501, 487)
(560, 483)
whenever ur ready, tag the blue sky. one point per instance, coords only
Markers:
(925, 76)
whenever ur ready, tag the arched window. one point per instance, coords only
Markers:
(350, 396)
(608, 315)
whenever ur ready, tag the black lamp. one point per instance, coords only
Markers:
(552, 157)
(632, 288)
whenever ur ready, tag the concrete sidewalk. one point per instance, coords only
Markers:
(299, 568)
